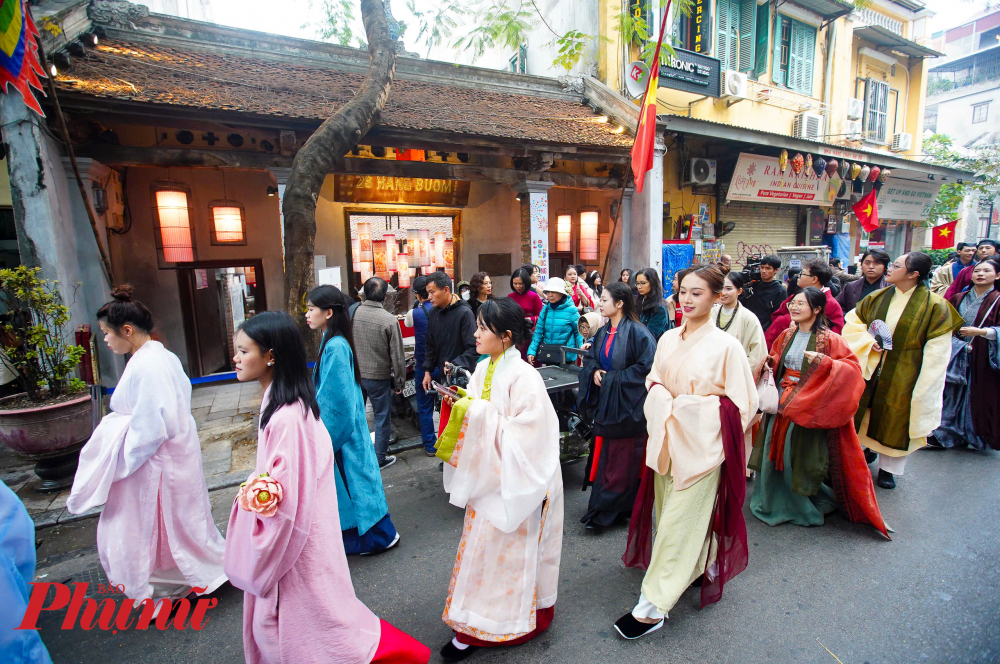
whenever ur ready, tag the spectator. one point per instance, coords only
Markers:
(583, 297)
(451, 330)
(941, 278)
(792, 281)
(649, 304)
(840, 273)
(874, 263)
(480, 290)
(522, 293)
(966, 258)
(984, 249)
(596, 283)
(380, 360)
(625, 276)
(464, 291)
(762, 297)
(558, 322)
(815, 273)
(417, 319)
(536, 274)
(725, 263)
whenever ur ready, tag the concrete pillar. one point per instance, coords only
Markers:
(643, 240)
(535, 224)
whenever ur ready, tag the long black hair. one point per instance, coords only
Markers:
(591, 280)
(525, 275)
(275, 331)
(621, 292)
(504, 315)
(646, 303)
(338, 325)
(816, 299)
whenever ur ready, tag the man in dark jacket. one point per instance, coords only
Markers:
(874, 263)
(451, 329)
(761, 298)
(425, 400)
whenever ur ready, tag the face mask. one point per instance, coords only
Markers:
(465, 295)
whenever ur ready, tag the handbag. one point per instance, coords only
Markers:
(767, 392)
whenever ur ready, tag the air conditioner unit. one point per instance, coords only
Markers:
(808, 126)
(901, 142)
(700, 171)
(855, 109)
(734, 85)
(852, 128)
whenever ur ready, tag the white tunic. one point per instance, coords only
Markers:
(144, 463)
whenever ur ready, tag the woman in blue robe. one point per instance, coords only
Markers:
(364, 514)
(613, 388)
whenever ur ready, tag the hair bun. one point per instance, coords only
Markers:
(122, 293)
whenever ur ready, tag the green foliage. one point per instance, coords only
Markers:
(570, 49)
(338, 24)
(436, 27)
(496, 25)
(34, 334)
(939, 256)
(984, 162)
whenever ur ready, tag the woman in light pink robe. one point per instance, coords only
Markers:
(284, 547)
(156, 535)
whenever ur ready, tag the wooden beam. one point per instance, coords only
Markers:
(118, 155)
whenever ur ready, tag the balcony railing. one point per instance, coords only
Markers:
(782, 98)
(872, 17)
(981, 69)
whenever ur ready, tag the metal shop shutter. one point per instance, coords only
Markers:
(757, 231)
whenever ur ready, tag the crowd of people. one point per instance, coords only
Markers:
(734, 372)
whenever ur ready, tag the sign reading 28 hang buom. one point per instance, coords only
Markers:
(388, 189)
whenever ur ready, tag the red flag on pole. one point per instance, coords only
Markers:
(944, 235)
(867, 211)
(645, 134)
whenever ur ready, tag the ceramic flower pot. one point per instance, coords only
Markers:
(51, 435)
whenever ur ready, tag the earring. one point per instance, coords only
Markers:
(270, 363)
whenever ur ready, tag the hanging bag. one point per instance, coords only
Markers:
(767, 391)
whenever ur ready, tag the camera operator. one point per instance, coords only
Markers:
(764, 293)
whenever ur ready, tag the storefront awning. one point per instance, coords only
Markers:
(901, 167)
(828, 9)
(883, 37)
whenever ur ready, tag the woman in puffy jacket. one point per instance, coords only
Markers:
(557, 324)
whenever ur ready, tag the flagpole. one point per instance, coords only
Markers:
(628, 173)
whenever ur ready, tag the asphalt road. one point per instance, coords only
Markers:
(839, 593)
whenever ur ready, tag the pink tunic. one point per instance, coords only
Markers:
(298, 553)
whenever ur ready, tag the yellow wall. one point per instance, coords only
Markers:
(682, 201)
(4, 184)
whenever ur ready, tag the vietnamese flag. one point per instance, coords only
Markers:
(866, 211)
(645, 133)
(944, 236)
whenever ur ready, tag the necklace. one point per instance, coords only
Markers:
(718, 317)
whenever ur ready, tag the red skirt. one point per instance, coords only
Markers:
(543, 618)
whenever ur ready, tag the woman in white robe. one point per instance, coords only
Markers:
(702, 397)
(156, 535)
(501, 448)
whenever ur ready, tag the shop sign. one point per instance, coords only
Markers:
(700, 27)
(907, 200)
(691, 72)
(388, 189)
(758, 178)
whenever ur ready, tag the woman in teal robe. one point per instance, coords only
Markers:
(364, 514)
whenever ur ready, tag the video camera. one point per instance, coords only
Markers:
(751, 267)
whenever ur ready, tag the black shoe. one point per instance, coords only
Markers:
(697, 583)
(386, 462)
(452, 654)
(870, 456)
(431, 453)
(393, 438)
(630, 628)
(594, 528)
(885, 480)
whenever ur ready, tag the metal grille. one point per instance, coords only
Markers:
(877, 110)
(761, 228)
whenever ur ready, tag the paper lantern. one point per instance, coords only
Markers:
(845, 168)
(808, 164)
(819, 167)
(411, 244)
(843, 189)
(564, 231)
(251, 275)
(381, 258)
(175, 226)
(413, 270)
(439, 239)
(364, 241)
(423, 247)
(403, 266)
(366, 272)
(227, 224)
(863, 175)
(783, 161)
(356, 254)
(449, 257)
(798, 161)
(855, 171)
(831, 167)
(873, 175)
(390, 251)
(588, 233)
(884, 175)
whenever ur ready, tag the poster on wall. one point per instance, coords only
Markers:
(329, 276)
(758, 178)
(907, 200)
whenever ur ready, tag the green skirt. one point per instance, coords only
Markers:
(773, 500)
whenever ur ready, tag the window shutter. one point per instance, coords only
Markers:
(747, 28)
(760, 47)
(777, 73)
(722, 31)
(800, 60)
(522, 57)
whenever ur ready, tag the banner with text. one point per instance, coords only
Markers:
(907, 200)
(757, 178)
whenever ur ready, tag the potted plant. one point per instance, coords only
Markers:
(52, 418)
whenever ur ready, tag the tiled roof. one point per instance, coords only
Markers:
(205, 79)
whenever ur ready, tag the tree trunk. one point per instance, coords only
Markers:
(331, 141)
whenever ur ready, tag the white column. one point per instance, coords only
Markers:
(535, 223)
(644, 246)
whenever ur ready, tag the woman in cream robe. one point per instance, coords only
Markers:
(505, 472)
(685, 449)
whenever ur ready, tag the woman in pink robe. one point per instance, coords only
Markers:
(156, 536)
(284, 534)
